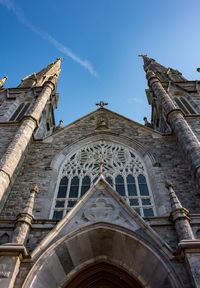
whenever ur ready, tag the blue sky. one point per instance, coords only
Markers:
(101, 40)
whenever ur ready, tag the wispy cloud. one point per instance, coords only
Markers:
(136, 100)
(11, 5)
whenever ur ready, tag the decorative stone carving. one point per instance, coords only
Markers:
(102, 123)
(4, 274)
(101, 210)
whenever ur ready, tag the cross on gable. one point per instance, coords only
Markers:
(101, 104)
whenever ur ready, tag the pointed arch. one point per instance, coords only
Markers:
(103, 274)
(98, 243)
(150, 162)
(120, 160)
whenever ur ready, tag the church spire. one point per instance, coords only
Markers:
(38, 79)
(164, 74)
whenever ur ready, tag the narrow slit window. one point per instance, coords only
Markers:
(132, 191)
(119, 184)
(63, 188)
(143, 185)
(73, 192)
(85, 185)
(20, 111)
(188, 106)
(184, 105)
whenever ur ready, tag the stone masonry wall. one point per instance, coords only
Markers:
(194, 123)
(6, 135)
(37, 165)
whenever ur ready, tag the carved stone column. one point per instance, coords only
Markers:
(179, 216)
(188, 247)
(15, 150)
(24, 219)
(11, 254)
(182, 131)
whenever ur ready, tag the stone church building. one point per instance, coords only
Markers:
(103, 202)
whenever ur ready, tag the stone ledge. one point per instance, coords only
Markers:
(193, 245)
(13, 249)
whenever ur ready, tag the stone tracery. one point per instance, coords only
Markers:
(122, 169)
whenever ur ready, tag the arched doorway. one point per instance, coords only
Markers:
(70, 256)
(103, 275)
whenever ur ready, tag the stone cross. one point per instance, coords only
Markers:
(142, 55)
(101, 104)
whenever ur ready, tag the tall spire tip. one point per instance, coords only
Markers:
(61, 58)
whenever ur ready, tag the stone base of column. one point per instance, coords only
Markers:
(10, 259)
(191, 251)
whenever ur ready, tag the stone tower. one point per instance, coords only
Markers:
(103, 201)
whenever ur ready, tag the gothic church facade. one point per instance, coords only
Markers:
(104, 201)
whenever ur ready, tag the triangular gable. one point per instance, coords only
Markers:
(105, 111)
(101, 204)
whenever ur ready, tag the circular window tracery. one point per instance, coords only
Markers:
(122, 169)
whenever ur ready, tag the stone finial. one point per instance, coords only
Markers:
(146, 123)
(60, 58)
(60, 124)
(175, 203)
(24, 219)
(145, 120)
(2, 81)
(35, 189)
(179, 216)
(142, 55)
(30, 203)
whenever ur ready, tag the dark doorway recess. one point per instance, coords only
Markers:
(103, 275)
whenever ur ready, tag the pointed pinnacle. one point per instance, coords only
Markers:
(30, 203)
(175, 203)
(2, 81)
(38, 79)
(60, 58)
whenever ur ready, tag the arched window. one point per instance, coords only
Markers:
(122, 169)
(20, 111)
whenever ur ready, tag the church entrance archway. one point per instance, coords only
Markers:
(71, 257)
(103, 275)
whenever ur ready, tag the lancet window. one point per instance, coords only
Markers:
(184, 105)
(122, 169)
(20, 111)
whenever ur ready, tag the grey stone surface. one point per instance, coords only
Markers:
(31, 155)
